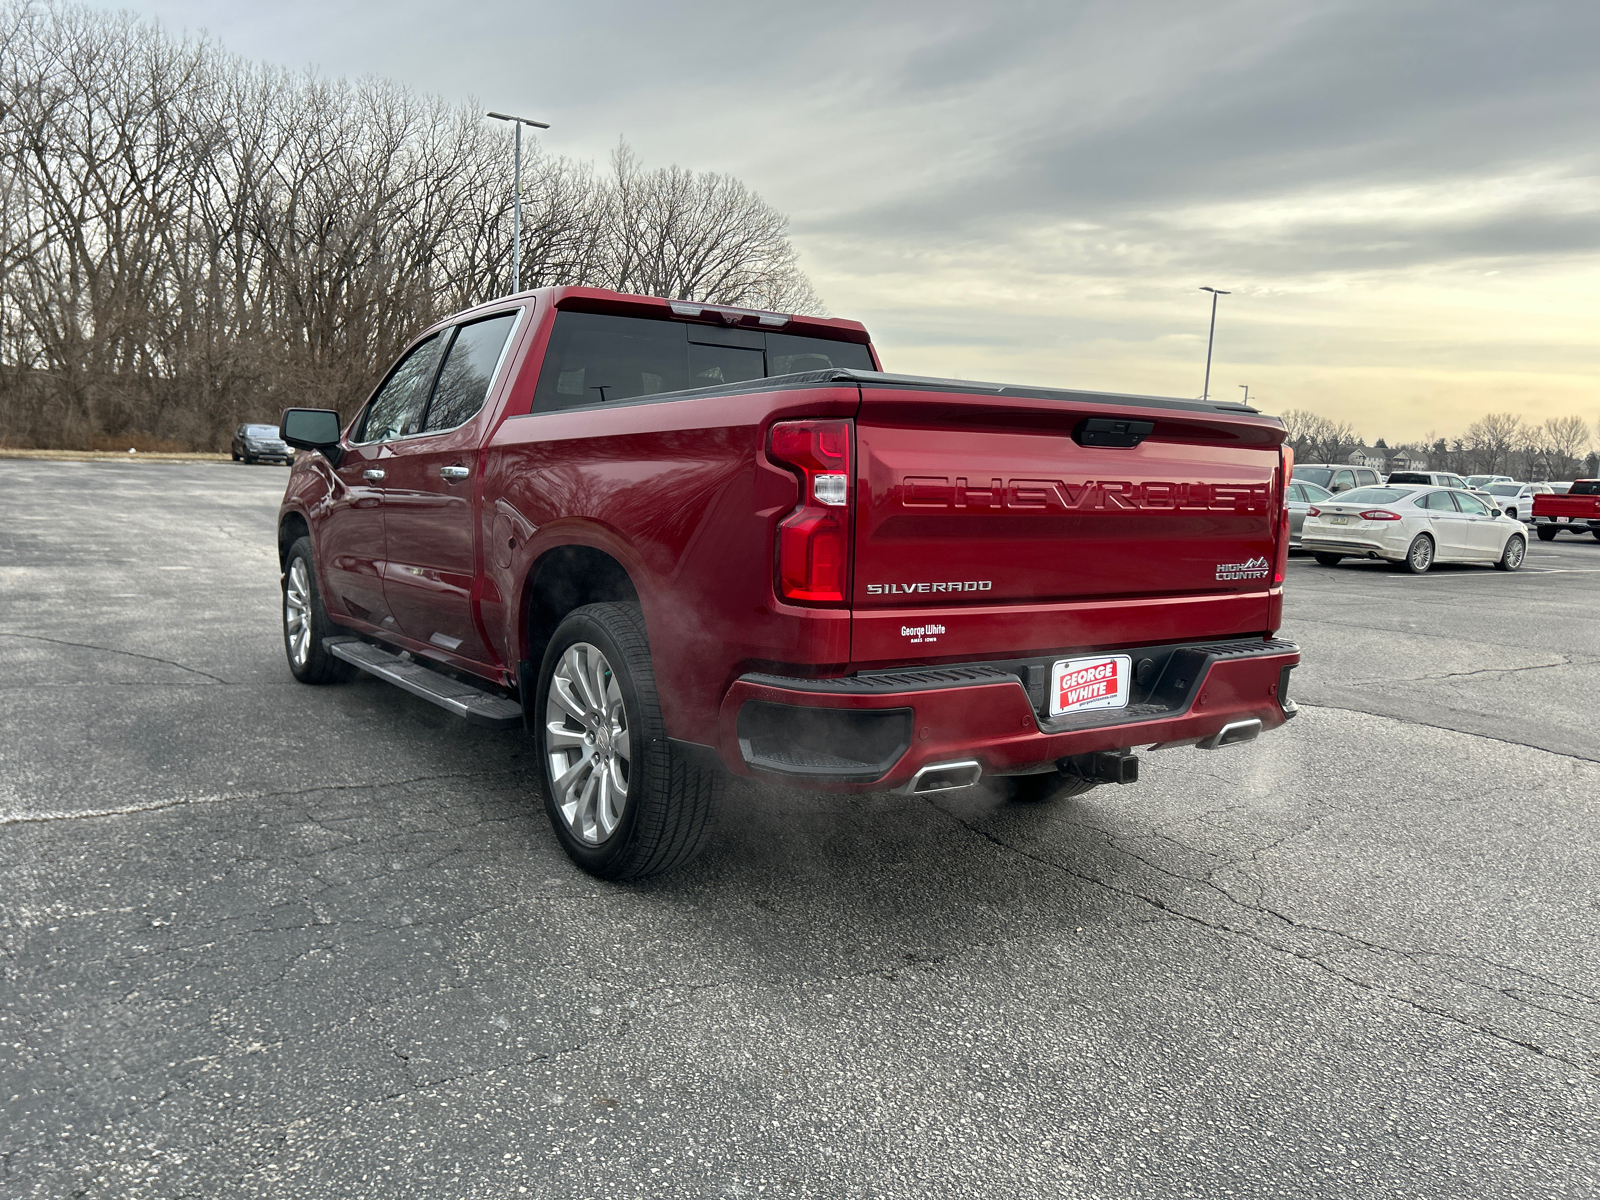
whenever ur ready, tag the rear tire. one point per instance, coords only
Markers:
(1037, 789)
(1516, 549)
(1419, 555)
(1328, 560)
(305, 621)
(599, 732)
(1596, 533)
(1547, 533)
(235, 455)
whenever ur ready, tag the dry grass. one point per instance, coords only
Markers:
(142, 442)
(111, 456)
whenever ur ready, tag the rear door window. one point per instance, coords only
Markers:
(1439, 502)
(397, 408)
(468, 371)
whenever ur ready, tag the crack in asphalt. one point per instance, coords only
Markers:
(1314, 960)
(33, 637)
(1567, 660)
(1504, 741)
(132, 810)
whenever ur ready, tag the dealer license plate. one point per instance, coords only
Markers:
(1081, 684)
(1563, 520)
(1338, 520)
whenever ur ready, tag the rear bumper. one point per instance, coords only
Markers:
(875, 731)
(1581, 524)
(1367, 547)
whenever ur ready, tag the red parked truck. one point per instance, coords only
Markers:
(679, 539)
(1575, 511)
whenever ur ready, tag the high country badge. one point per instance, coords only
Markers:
(1251, 568)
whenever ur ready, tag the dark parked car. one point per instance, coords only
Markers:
(260, 443)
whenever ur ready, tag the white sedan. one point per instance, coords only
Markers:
(1413, 528)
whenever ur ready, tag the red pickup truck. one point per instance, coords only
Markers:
(1576, 511)
(680, 539)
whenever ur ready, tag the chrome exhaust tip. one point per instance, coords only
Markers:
(944, 777)
(1231, 734)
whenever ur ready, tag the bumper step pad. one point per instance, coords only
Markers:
(478, 707)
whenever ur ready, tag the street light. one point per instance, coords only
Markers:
(1246, 388)
(516, 194)
(1206, 394)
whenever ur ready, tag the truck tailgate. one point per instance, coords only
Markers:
(985, 511)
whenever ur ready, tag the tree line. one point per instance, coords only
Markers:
(189, 240)
(1495, 444)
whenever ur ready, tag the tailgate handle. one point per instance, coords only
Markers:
(1112, 433)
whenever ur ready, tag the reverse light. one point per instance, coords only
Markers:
(1378, 514)
(813, 552)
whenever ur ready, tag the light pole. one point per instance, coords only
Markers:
(516, 197)
(1206, 394)
(1246, 388)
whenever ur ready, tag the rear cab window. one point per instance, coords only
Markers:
(597, 358)
(1585, 487)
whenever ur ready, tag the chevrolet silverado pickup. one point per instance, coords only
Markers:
(676, 540)
(1575, 511)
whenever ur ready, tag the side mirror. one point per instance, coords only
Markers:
(312, 429)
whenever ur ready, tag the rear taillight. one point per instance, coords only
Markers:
(1378, 514)
(1286, 467)
(814, 540)
(1313, 511)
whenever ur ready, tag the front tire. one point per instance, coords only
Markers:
(1547, 533)
(1328, 560)
(622, 801)
(1419, 556)
(305, 621)
(1516, 549)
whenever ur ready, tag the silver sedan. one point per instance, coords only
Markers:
(1302, 495)
(1413, 528)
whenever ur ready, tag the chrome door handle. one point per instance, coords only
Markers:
(373, 475)
(453, 473)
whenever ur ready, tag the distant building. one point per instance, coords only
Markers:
(1380, 458)
(1408, 460)
(1366, 456)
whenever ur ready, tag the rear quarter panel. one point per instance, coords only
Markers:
(680, 492)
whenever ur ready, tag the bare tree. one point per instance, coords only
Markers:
(188, 240)
(1492, 439)
(1563, 443)
(1315, 438)
(699, 236)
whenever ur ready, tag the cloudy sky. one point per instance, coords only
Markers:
(1403, 198)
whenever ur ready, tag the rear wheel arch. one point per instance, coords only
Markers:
(562, 579)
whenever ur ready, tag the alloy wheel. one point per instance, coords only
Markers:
(587, 743)
(1516, 548)
(1421, 555)
(297, 611)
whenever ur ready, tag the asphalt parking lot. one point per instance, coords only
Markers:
(263, 939)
